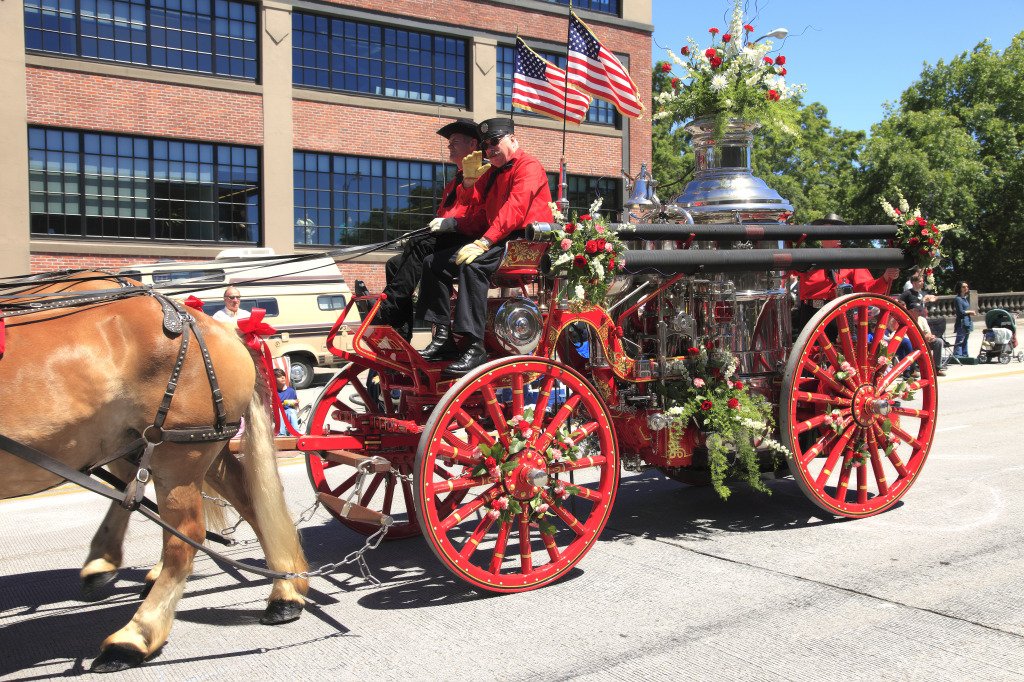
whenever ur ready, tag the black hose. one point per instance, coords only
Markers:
(741, 232)
(676, 261)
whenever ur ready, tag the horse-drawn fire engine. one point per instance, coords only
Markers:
(511, 471)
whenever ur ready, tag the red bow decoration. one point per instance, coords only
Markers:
(3, 338)
(255, 329)
(193, 302)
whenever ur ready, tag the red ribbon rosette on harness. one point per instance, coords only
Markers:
(193, 302)
(254, 329)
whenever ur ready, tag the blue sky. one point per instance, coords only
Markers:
(853, 56)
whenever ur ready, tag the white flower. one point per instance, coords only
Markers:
(718, 83)
(597, 268)
(596, 206)
(754, 79)
(579, 292)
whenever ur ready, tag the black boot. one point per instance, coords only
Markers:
(442, 346)
(472, 357)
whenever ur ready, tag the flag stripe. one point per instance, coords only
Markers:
(595, 70)
(540, 86)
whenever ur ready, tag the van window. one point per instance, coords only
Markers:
(165, 276)
(332, 302)
(268, 304)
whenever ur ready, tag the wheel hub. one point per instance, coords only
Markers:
(866, 406)
(530, 475)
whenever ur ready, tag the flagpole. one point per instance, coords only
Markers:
(563, 181)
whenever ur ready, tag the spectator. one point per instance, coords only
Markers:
(231, 312)
(935, 343)
(916, 294)
(515, 194)
(289, 402)
(963, 324)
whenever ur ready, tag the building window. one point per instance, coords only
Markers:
(204, 36)
(582, 190)
(86, 184)
(359, 200)
(600, 112)
(355, 57)
(607, 6)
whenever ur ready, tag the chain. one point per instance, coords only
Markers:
(400, 476)
(356, 557)
(217, 501)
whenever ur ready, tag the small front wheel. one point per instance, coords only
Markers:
(530, 444)
(1005, 357)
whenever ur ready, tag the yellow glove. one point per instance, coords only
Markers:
(469, 252)
(474, 168)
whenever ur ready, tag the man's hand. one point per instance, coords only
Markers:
(891, 274)
(474, 168)
(442, 225)
(469, 252)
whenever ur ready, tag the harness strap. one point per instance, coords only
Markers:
(58, 468)
(53, 303)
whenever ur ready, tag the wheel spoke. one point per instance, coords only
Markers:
(909, 412)
(542, 401)
(581, 463)
(559, 419)
(473, 427)
(407, 490)
(898, 369)
(832, 355)
(846, 340)
(389, 494)
(821, 374)
(517, 394)
(525, 555)
(551, 546)
(588, 494)
(883, 322)
(494, 410)
(343, 488)
(460, 483)
(463, 512)
(457, 455)
(562, 513)
(837, 449)
(498, 555)
(815, 422)
(862, 342)
(474, 540)
(876, 463)
(371, 490)
(821, 398)
(862, 483)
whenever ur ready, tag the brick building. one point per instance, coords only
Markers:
(136, 130)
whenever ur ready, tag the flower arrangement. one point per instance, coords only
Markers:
(733, 78)
(497, 459)
(710, 395)
(587, 254)
(917, 236)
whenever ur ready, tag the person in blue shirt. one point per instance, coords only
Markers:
(289, 401)
(962, 325)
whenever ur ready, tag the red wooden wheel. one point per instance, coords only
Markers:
(857, 438)
(349, 392)
(505, 550)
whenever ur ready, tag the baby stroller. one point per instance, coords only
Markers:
(1000, 338)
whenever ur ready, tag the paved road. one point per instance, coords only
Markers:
(681, 584)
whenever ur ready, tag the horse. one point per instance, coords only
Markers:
(99, 371)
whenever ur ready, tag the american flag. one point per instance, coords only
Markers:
(539, 86)
(594, 69)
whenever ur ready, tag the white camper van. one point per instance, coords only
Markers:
(302, 298)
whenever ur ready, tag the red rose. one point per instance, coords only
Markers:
(773, 96)
(522, 426)
(710, 52)
(693, 350)
(896, 211)
(933, 229)
(734, 403)
(913, 241)
(717, 373)
(921, 221)
(738, 385)
(570, 228)
(924, 252)
(580, 261)
(726, 37)
(685, 50)
(715, 62)
(928, 271)
(782, 72)
(666, 67)
(600, 244)
(931, 242)
(591, 246)
(780, 60)
(713, 31)
(924, 233)
(748, 28)
(675, 82)
(586, 217)
(490, 463)
(706, 405)
(910, 222)
(768, 61)
(611, 263)
(709, 345)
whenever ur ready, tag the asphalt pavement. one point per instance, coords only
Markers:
(680, 585)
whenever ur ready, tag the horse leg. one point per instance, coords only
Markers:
(227, 477)
(178, 471)
(105, 550)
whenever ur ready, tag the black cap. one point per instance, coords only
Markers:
(830, 219)
(460, 125)
(494, 127)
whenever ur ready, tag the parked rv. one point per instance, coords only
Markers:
(303, 298)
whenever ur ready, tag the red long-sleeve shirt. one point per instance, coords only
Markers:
(511, 197)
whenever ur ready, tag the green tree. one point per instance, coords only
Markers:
(953, 143)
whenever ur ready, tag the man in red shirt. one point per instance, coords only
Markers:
(403, 272)
(817, 287)
(513, 194)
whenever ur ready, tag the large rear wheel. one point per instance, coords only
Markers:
(531, 444)
(859, 424)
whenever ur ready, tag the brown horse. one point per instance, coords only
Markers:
(79, 383)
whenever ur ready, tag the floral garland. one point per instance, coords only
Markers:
(734, 78)
(587, 254)
(496, 460)
(917, 236)
(710, 395)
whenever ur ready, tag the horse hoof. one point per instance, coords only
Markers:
(116, 658)
(281, 611)
(96, 581)
(146, 589)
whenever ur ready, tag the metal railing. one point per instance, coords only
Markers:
(1010, 301)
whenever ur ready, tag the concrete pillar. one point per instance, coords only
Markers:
(483, 84)
(276, 70)
(637, 10)
(14, 209)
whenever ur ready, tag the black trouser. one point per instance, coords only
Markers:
(440, 272)
(403, 273)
